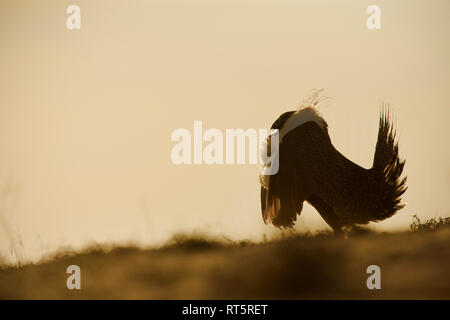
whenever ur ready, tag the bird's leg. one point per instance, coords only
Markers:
(339, 232)
(327, 213)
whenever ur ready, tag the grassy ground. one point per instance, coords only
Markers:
(413, 265)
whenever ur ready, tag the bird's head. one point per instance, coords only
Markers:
(279, 123)
(266, 146)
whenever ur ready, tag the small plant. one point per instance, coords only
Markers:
(429, 225)
(8, 198)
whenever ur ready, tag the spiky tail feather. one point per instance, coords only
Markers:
(388, 168)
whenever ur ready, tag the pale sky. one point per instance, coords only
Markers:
(86, 115)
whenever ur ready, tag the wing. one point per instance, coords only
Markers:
(302, 154)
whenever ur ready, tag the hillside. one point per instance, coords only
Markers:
(413, 265)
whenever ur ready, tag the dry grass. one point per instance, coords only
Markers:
(413, 265)
(430, 224)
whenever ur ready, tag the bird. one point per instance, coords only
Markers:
(311, 169)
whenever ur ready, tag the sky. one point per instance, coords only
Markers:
(86, 115)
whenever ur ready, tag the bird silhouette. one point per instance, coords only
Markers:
(311, 169)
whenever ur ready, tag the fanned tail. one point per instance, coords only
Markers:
(388, 169)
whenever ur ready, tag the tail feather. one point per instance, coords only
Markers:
(388, 169)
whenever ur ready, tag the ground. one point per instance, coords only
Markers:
(414, 265)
